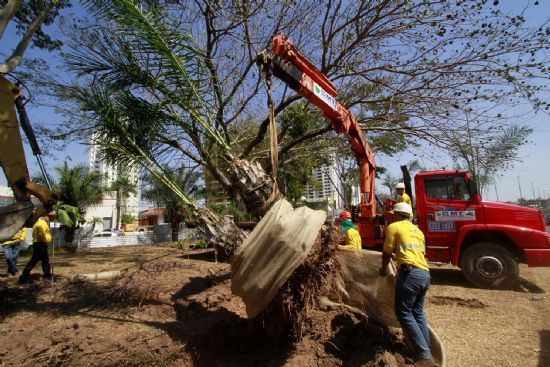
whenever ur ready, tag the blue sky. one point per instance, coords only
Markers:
(533, 172)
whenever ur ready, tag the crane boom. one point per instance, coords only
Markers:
(287, 63)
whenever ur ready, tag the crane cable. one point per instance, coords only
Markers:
(273, 143)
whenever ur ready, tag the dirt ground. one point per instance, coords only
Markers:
(174, 309)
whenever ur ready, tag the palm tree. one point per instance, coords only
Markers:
(77, 187)
(149, 90)
(159, 194)
(123, 188)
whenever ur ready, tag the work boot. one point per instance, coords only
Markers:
(426, 363)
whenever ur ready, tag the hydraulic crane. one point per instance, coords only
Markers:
(12, 158)
(287, 63)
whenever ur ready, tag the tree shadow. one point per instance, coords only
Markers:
(454, 277)
(358, 342)
(526, 286)
(67, 298)
(216, 336)
(202, 255)
(544, 356)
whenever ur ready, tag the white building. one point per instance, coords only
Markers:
(326, 191)
(107, 210)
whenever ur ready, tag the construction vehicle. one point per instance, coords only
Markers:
(12, 158)
(487, 240)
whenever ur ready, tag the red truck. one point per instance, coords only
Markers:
(486, 240)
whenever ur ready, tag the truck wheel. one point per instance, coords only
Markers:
(488, 265)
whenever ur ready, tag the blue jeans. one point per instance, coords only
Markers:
(410, 291)
(11, 252)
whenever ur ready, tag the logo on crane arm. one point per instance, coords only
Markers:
(324, 96)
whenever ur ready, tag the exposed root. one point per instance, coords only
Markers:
(288, 312)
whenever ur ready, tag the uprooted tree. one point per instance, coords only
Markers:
(178, 80)
(159, 83)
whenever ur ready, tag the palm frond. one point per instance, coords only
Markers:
(146, 44)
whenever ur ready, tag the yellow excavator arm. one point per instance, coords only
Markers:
(12, 158)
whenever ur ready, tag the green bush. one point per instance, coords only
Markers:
(202, 243)
(186, 244)
(182, 245)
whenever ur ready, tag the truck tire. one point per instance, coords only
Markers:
(488, 265)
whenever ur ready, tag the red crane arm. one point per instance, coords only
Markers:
(287, 63)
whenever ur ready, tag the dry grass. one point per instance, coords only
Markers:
(512, 329)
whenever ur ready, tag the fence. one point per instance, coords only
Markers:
(84, 237)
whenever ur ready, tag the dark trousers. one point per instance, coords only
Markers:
(11, 252)
(411, 286)
(39, 254)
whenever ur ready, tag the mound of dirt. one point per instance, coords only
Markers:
(171, 313)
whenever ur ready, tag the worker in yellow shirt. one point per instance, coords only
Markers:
(352, 239)
(11, 249)
(402, 196)
(407, 242)
(41, 238)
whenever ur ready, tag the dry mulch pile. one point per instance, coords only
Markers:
(173, 312)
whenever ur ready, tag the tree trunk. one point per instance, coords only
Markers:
(69, 234)
(257, 189)
(117, 209)
(220, 231)
(175, 225)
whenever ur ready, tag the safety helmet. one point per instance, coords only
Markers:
(400, 185)
(402, 208)
(344, 215)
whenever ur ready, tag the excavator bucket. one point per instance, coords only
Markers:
(13, 218)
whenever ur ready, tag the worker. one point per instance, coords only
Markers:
(407, 242)
(41, 238)
(402, 196)
(352, 239)
(11, 249)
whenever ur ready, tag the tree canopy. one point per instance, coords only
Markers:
(28, 17)
(176, 78)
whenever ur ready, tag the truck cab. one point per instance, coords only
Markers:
(487, 240)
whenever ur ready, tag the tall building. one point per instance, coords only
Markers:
(107, 211)
(327, 188)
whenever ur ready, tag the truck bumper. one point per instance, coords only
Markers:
(537, 257)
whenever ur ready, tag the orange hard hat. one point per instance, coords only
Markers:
(344, 215)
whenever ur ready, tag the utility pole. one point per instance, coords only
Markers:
(519, 185)
(496, 191)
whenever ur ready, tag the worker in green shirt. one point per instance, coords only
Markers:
(352, 239)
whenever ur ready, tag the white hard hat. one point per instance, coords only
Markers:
(400, 185)
(403, 208)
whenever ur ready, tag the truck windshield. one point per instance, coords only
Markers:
(447, 188)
